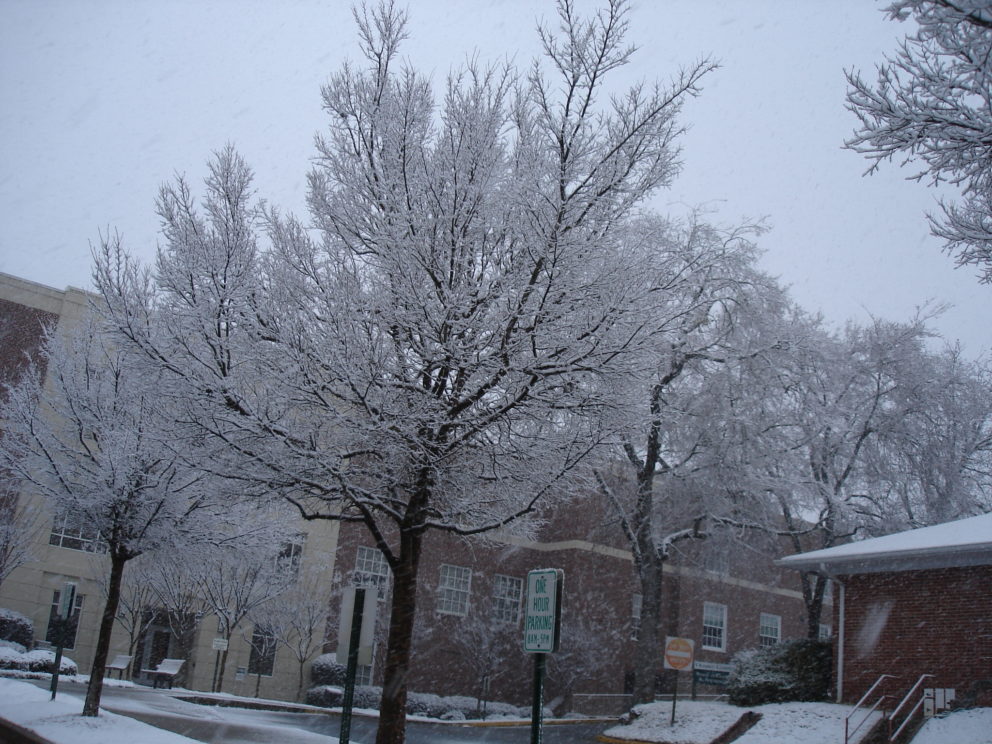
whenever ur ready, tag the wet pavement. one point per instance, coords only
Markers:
(232, 725)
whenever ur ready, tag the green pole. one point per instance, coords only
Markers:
(675, 695)
(537, 709)
(352, 669)
(58, 662)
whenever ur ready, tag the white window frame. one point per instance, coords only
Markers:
(291, 555)
(371, 570)
(714, 626)
(363, 675)
(826, 632)
(67, 533)
(454, 589)
(769, 629)
(508, 592)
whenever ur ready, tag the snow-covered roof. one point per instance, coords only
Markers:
(966, 542)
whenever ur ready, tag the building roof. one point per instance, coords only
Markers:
(966, 542)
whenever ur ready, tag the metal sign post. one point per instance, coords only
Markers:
(542, 634)
(356, 628)
(679, 654)
(67, 601)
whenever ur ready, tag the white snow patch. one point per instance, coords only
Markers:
(700, 722)
(960, 727)
(60, 721)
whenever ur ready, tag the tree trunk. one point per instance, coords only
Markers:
(648, 641)
(392, 712)
(91, 707)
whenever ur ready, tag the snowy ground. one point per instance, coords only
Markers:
(60, 721)
(701, 722)
(959, 727)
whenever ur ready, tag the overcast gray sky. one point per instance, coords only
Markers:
(101, 101)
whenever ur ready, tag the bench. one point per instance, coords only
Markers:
(120, 664)
(165, 671)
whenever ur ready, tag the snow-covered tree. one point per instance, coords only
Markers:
(237, 579)
(932, 102)
(416, 363)
(835, 395)
(671, 434)
(298, 620)
(936, 465)
(88, 437)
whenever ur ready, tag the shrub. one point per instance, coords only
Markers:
(16, 627)
(367, 697)
(797, 670)
(327, 696)
(325, 670)
(44, 661)
(34, 661)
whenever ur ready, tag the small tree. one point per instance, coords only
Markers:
(297, 621)
(237, 579)
(90, 438)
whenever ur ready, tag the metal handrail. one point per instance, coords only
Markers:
(892, 736)
(909, 717)
(847, 721)
(910, 693)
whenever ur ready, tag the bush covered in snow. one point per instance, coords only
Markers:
(325, 670)
(16, 627)
(326, 696)
(797, 670)
(34, 661)
(452, 708)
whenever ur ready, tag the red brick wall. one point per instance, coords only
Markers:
(20, 336)
(598, 589)
(909, 623)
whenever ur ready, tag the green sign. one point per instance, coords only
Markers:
(542, 619)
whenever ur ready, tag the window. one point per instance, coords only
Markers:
(371, 570)
(363, 675)
(636, 603)
(67, 532)
(507, 591)
(826, 632)
(769, 629)
(263, 652)
(453, 590)
(55, 622)
(714, 626)
(290, 555)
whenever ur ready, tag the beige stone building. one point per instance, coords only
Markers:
(61, 553)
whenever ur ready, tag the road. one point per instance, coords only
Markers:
(230, 725)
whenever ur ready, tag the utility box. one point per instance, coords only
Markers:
(937, 700)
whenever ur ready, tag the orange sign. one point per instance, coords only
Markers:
(678, 653)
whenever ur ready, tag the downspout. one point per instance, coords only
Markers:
(840, 643)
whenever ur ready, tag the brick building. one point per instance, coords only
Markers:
(913, 603)
(725, 594)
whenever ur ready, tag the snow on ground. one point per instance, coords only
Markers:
(698, 722)
(60, 721)
(960, 727)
